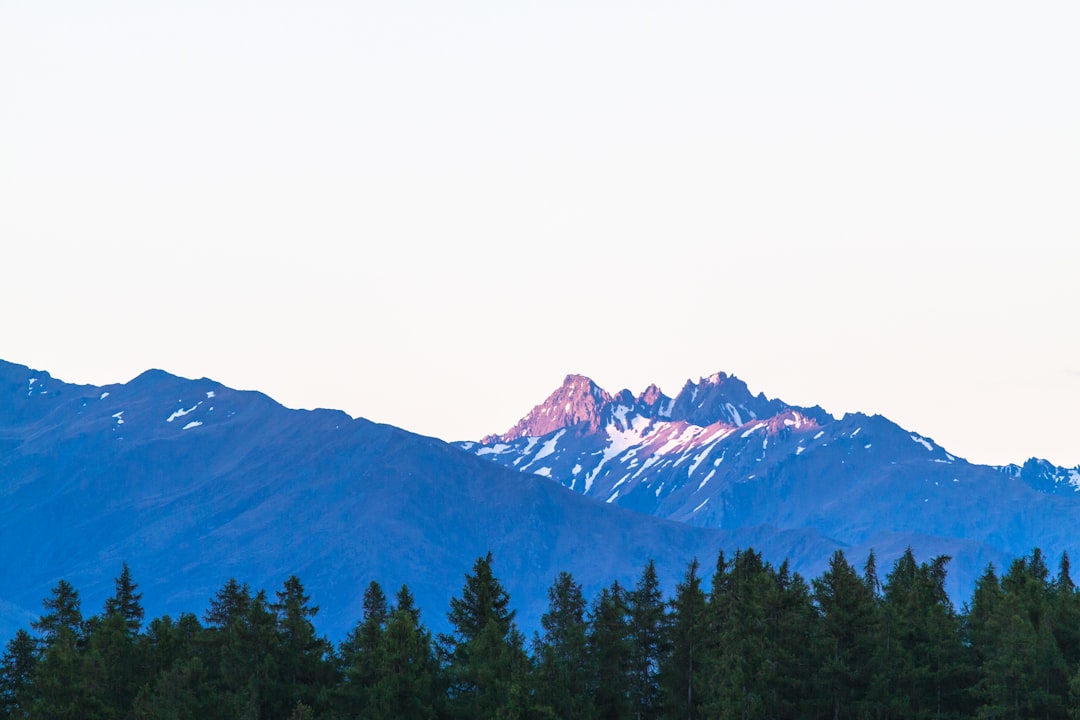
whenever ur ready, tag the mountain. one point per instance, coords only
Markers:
(1045, 476)
(191, 482)
(715, 455)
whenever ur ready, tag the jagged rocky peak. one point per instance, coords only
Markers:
(722, 398)
(578, 400)
(651, 397)
(1046, 477)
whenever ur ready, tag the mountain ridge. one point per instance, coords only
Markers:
(191, 483)
(717, 455)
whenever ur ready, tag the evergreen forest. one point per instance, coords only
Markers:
(754, 640)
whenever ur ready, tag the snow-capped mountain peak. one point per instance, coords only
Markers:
(577, 401)
(720, 456)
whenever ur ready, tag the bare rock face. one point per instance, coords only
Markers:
(578, 400)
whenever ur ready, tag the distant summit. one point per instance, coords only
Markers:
(577, 401)
(582, 407)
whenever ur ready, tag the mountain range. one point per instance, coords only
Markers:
(717, 456)
(191, 483)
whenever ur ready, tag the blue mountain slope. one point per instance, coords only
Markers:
(718, 456)
(191, 482)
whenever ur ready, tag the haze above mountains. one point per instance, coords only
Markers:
(191, 483)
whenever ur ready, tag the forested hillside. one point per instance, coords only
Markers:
(752, 641)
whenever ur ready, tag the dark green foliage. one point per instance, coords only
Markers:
(404, 684)
(757, 644)
(484, 657)
(846, 638)
(681, 677)
(302, 656)
(16, 675)
(648, 642)
(918, 658)
(611, 652)
(760, 628)
(1018, 649)
(125, 603)
(113, 638)
(562, 653)
(359, 654)
(63, 615)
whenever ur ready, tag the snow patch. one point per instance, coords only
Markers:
(705, 482)
(618, 442)
(753, 430)
(820, 433)
(497, 449)
(688, 433)
(210, 394)
(698, 459)
(119, 417)
(855, 433)
(182, 412)
(192, 424)
(700, 505)
(103, 396)
(543, 472)
(549, 446)
(923, 442)
(613, 496)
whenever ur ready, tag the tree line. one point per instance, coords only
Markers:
(757, 642)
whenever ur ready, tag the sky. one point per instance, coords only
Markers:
(427, 213)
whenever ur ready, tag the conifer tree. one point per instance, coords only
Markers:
(563, 668)
(229, 606)
(67, 679)
(113, 639)
(176, 680)
(405, 683)
(301, 665)
(919, 651)
(845, 640)
(648, 642)
(1065, 614)
(359, 652)
(683, 670)
(62, 614)
(484, 654)
(762, 619)
(16, 675)
(126, 602)
(610, 649)
(791, 621)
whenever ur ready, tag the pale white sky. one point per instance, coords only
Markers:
(427, 213)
